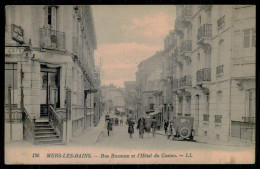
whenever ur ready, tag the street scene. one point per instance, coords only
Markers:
(117, 78)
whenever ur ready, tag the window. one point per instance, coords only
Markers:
(49, 15)
(218, 118)
(217, 136)
(198, 57)
(10, 79)
(199, 21)
(249, 38)
(205, 133)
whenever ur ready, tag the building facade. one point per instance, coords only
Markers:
(49, 65)
(215, 69)
(113, 98)
(209, 67)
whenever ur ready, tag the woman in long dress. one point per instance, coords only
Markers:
(130, 127)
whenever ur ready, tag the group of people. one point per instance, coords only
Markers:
(169, 129)
(110, 123)
(142, 126)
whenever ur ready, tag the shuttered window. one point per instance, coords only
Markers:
(253, 38)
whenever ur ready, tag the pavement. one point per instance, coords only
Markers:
(231, 142)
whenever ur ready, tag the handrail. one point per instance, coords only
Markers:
(29, 124)
(56, 121)
(55, 114)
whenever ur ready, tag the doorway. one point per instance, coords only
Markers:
(50, 82)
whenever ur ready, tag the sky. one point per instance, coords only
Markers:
(127, 35)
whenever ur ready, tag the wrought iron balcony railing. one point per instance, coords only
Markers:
(205, 31)
(186, 46)
(203, 75)
(185, 81)
(218, 118)
(51, 39)
(248, 119)
(221, 22)
(219, 70)
(205, 117)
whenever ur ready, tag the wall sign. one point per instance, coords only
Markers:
(17, 33)
(13, 50)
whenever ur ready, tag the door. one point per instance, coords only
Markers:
(50, 83)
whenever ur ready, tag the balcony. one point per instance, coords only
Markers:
(186, 15)
(175, 84)
(205, 117)
(204, 32)
(220, 70)
(203, 75)
(51, 39)
(185, 81)
(178, 26)
(248, 119)
(186, 46)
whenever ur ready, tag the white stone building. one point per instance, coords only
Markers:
(215, 69)
(50, 50)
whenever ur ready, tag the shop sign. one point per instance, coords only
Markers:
(13, 50)
(17, 33)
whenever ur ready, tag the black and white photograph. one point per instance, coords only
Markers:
(130, 84)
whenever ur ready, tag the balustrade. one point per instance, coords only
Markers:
(203, 75)
(205, 31)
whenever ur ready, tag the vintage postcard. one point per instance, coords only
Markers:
(118, 84)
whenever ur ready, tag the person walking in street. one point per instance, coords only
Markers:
(154, 124)
(169, 131)
(131, 127)
(121, 122)
(166, 123)
(173, 132)
(140, 126)
(109, 127)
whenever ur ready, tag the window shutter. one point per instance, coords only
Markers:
(54, 18)
(45, 8)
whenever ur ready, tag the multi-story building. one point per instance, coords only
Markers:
(169, 70)
(49, 66)
(145, 83)
(215, 69)
(131, 99)
(113, 98)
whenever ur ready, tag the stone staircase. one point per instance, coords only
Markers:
(45, 133)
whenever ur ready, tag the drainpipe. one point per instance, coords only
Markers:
(230, 83)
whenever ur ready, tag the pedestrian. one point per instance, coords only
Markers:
(109, 126)
(166, 123)
(169, 131)
(154, 124)
(140, 126)
(121, 122)
(131, 127)
(173, 132)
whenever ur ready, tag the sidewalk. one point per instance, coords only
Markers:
(231, 142)
(91, 135)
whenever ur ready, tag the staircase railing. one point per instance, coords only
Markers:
(56, 121)
(28, 126)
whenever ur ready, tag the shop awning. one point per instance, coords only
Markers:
(153, 113)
